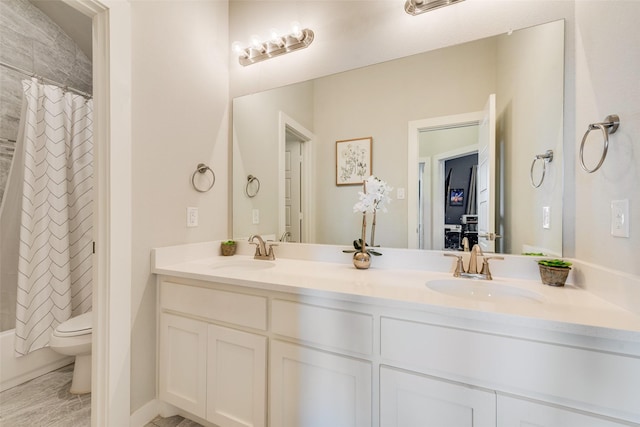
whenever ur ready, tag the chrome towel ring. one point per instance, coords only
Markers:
(547, 157)
(202, 168)
(609, 126)
(251, 193)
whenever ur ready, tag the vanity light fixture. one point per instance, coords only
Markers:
(277, 45)
(416, 7)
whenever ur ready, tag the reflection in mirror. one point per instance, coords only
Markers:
(390, 102)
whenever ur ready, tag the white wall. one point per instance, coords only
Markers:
(608, 82)
(180, 119)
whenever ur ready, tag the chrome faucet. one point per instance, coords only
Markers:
(263, 250)
(285, 236)
(472, 272)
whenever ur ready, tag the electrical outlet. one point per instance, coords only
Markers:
(620, 218)
(255, 216)
(546, 217)
(192, 217)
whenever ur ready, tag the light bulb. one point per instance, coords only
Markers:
(256, 42)
(296, 30)
(275, 36)
(237, 48)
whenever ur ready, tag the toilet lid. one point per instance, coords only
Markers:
(79, 325)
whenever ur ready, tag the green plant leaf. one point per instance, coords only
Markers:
(554, 263)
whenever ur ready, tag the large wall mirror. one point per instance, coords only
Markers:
(422, 114)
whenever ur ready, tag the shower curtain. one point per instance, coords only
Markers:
(56, 242)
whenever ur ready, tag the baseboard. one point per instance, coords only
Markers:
(144, 415)
(18, 370)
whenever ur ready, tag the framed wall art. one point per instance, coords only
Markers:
(353, 160)
(456, 197)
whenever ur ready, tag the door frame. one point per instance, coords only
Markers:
(308, 222)
(111, 343)
(413, 152)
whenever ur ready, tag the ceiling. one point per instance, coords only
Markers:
(74, 23)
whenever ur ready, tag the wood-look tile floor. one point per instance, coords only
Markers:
(175, 421)
(45, 402)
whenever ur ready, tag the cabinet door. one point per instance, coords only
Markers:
(513, 412)
(236, 378)
(412, 400)
(183, 350)
(312, 388)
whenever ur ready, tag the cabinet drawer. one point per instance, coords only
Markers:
(328, 327)
(223, 306)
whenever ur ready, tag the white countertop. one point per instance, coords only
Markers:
(567, 309)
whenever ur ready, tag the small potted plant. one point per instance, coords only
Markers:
(228, 247)
(554, 272)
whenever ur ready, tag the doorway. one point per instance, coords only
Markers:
(446, 147)
(426, 173)
(484, 144)
(295, 213)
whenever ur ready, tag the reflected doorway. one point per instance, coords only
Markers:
(295, 217)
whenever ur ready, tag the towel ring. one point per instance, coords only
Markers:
(609, 126)
(202, 168)
(547, 157)
(251, 179)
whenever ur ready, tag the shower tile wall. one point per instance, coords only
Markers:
(31, 41)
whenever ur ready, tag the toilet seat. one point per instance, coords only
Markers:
(76, 326)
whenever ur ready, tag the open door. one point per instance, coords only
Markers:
(487, 177)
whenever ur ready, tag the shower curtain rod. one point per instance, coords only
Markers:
(53, 82)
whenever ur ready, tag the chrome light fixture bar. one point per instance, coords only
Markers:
(275, 46)
(416, 7)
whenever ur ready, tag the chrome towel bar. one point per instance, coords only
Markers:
(202, 168)
(250, 180)
(546, 157)
(609, 126)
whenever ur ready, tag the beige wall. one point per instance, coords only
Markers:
(608, 82)
(255, 121)
(440, 83)
(529, 110)
(180, 119)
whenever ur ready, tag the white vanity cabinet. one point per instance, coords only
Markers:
(413, 400)
(182, 362)
(240, 356)
(215, 372)
(519, 412)
(236, 378)
(313, 388)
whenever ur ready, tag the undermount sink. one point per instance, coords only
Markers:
(482, 290)
(242, 265)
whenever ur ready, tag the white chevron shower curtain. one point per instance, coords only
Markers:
(54, 267)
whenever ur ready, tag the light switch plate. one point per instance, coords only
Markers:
(620, 218)
(255, 216)
(192, 217)
(546, 217)
(400, 193)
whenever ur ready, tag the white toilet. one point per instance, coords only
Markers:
(73, 338)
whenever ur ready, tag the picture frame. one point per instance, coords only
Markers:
(456, 197)
(353, 160)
